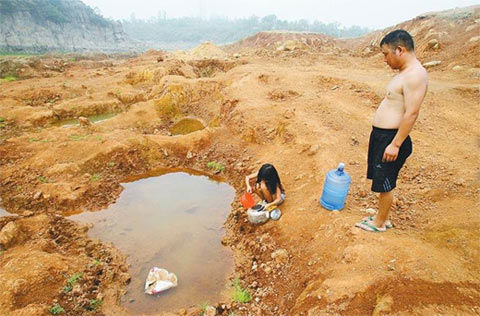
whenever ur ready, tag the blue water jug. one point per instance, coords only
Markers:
(335, 188)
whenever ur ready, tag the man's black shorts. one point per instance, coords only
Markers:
(384, 174)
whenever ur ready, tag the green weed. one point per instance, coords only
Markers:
(216, 166)
(97, 262)
(94, 304)
(77, 138)
(3, 53)
(45, 140)
(203, 307)
(42, 179)
(8, 79)
(56, 309)
(71, 281)
(240, 294)
(96, 177)
(2, 120)
(111, 164)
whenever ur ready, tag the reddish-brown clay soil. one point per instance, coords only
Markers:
(302, 109)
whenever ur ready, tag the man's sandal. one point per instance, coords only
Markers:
(370, 226)
(388, 223)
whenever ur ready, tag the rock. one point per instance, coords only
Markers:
(236, 56)
(210, 311)
(457, 68)
(474, 39)
(189, 155)
(8, 234)
(288, 114)
(362, 193)
(334, 88)
(280, 255)
(37, 195)
(313, 150)
(469, 28)
(474, 71)
(291, 45)
(432, 63)
(459, 182)
(383, 305)
(370, 211)
(433, 44)
(101, 35)
(355, 141)
(267, 270)
(19, 286)
(83, 121)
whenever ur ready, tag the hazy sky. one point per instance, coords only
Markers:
(370, 13)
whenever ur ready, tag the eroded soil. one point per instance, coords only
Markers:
(303, 112)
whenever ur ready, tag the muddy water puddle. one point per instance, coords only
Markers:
(172, 221)
(93, 119)
(186, 126)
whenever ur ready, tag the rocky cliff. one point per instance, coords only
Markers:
(60, 25)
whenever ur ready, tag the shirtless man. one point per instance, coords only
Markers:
(390, 145)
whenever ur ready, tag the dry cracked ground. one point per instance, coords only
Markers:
(303, 112)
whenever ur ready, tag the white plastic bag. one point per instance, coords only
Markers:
(257, 217)
(159, 280)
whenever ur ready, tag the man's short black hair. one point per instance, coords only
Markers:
(398, 38)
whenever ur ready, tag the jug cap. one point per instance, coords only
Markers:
(341, 166)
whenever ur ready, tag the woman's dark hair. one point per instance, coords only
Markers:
(269, 174)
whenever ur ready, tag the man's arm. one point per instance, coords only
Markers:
(414, 90)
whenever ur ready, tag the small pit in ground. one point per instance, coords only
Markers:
(186, 126)
(172, 221)
(93, 119)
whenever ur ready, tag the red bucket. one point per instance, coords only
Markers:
(247, 200)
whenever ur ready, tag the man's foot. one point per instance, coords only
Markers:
(369, 226)
(388, 223)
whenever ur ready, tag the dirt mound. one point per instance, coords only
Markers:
(205, 50)
(284, 40)
(451, 37)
